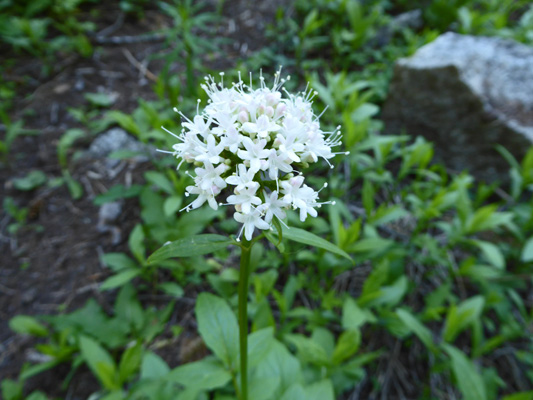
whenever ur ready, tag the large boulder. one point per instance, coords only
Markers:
(466, 94)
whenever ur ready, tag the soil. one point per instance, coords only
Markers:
(53, 264)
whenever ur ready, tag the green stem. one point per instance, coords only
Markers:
(246, 249)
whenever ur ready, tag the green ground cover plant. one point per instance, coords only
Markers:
(416, 284)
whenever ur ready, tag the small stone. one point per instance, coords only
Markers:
(109, 213)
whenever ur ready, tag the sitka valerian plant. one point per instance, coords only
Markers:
(256, 142)
(252, 144)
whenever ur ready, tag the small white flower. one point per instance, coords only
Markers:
(246, 197)
(255, 153)
(262, 127)
(250, 221)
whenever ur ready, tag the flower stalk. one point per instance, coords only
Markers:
(246, 250)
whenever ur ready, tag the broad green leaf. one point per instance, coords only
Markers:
(218, 327)
(492, 253)
(305, 237)
(294, 392)
(130, 363)
(279, 362)
(354, 316)
(207, 374)
(370, 245)
(172, 288)
(259, 344)
(415, 326)
(322, 390)
(153, 366)
(99, 361)
(25, 324)
(172, 205)
(189, 247)
(459, 317)
(160, 180)
(120, 279)
(347, 345)
(308, 350)
(527, 251)
(261, 388)
(469, 381)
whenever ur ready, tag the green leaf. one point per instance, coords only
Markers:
(527, 251)
(120, 279)
(172, 205)
(11, 390)
(492, 253)
(322, 390)
(261, 388)
(347, 345)
(130, 363)
(353, 316)
(31, 181)
(153, 366)
(279, 362)
(519, 396)
(25, 324)
(99, 361)
(294, 392)
(305, 237)
(459, 317)
(99, 99)
(189, 247)
(469, 381)
(172, 288)
(415, 326)
(308, 350)
(218, 327)
(118, 261)
(160, 180)
(66, 141)
(136, 243)
(259, 344)
(207, 374)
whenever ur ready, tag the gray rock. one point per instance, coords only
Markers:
(466, 94)
(113, 140)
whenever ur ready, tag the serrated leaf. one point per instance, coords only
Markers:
(305, 237)
(218, 327)
(189, 247)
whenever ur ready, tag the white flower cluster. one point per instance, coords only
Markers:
(253, 142)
